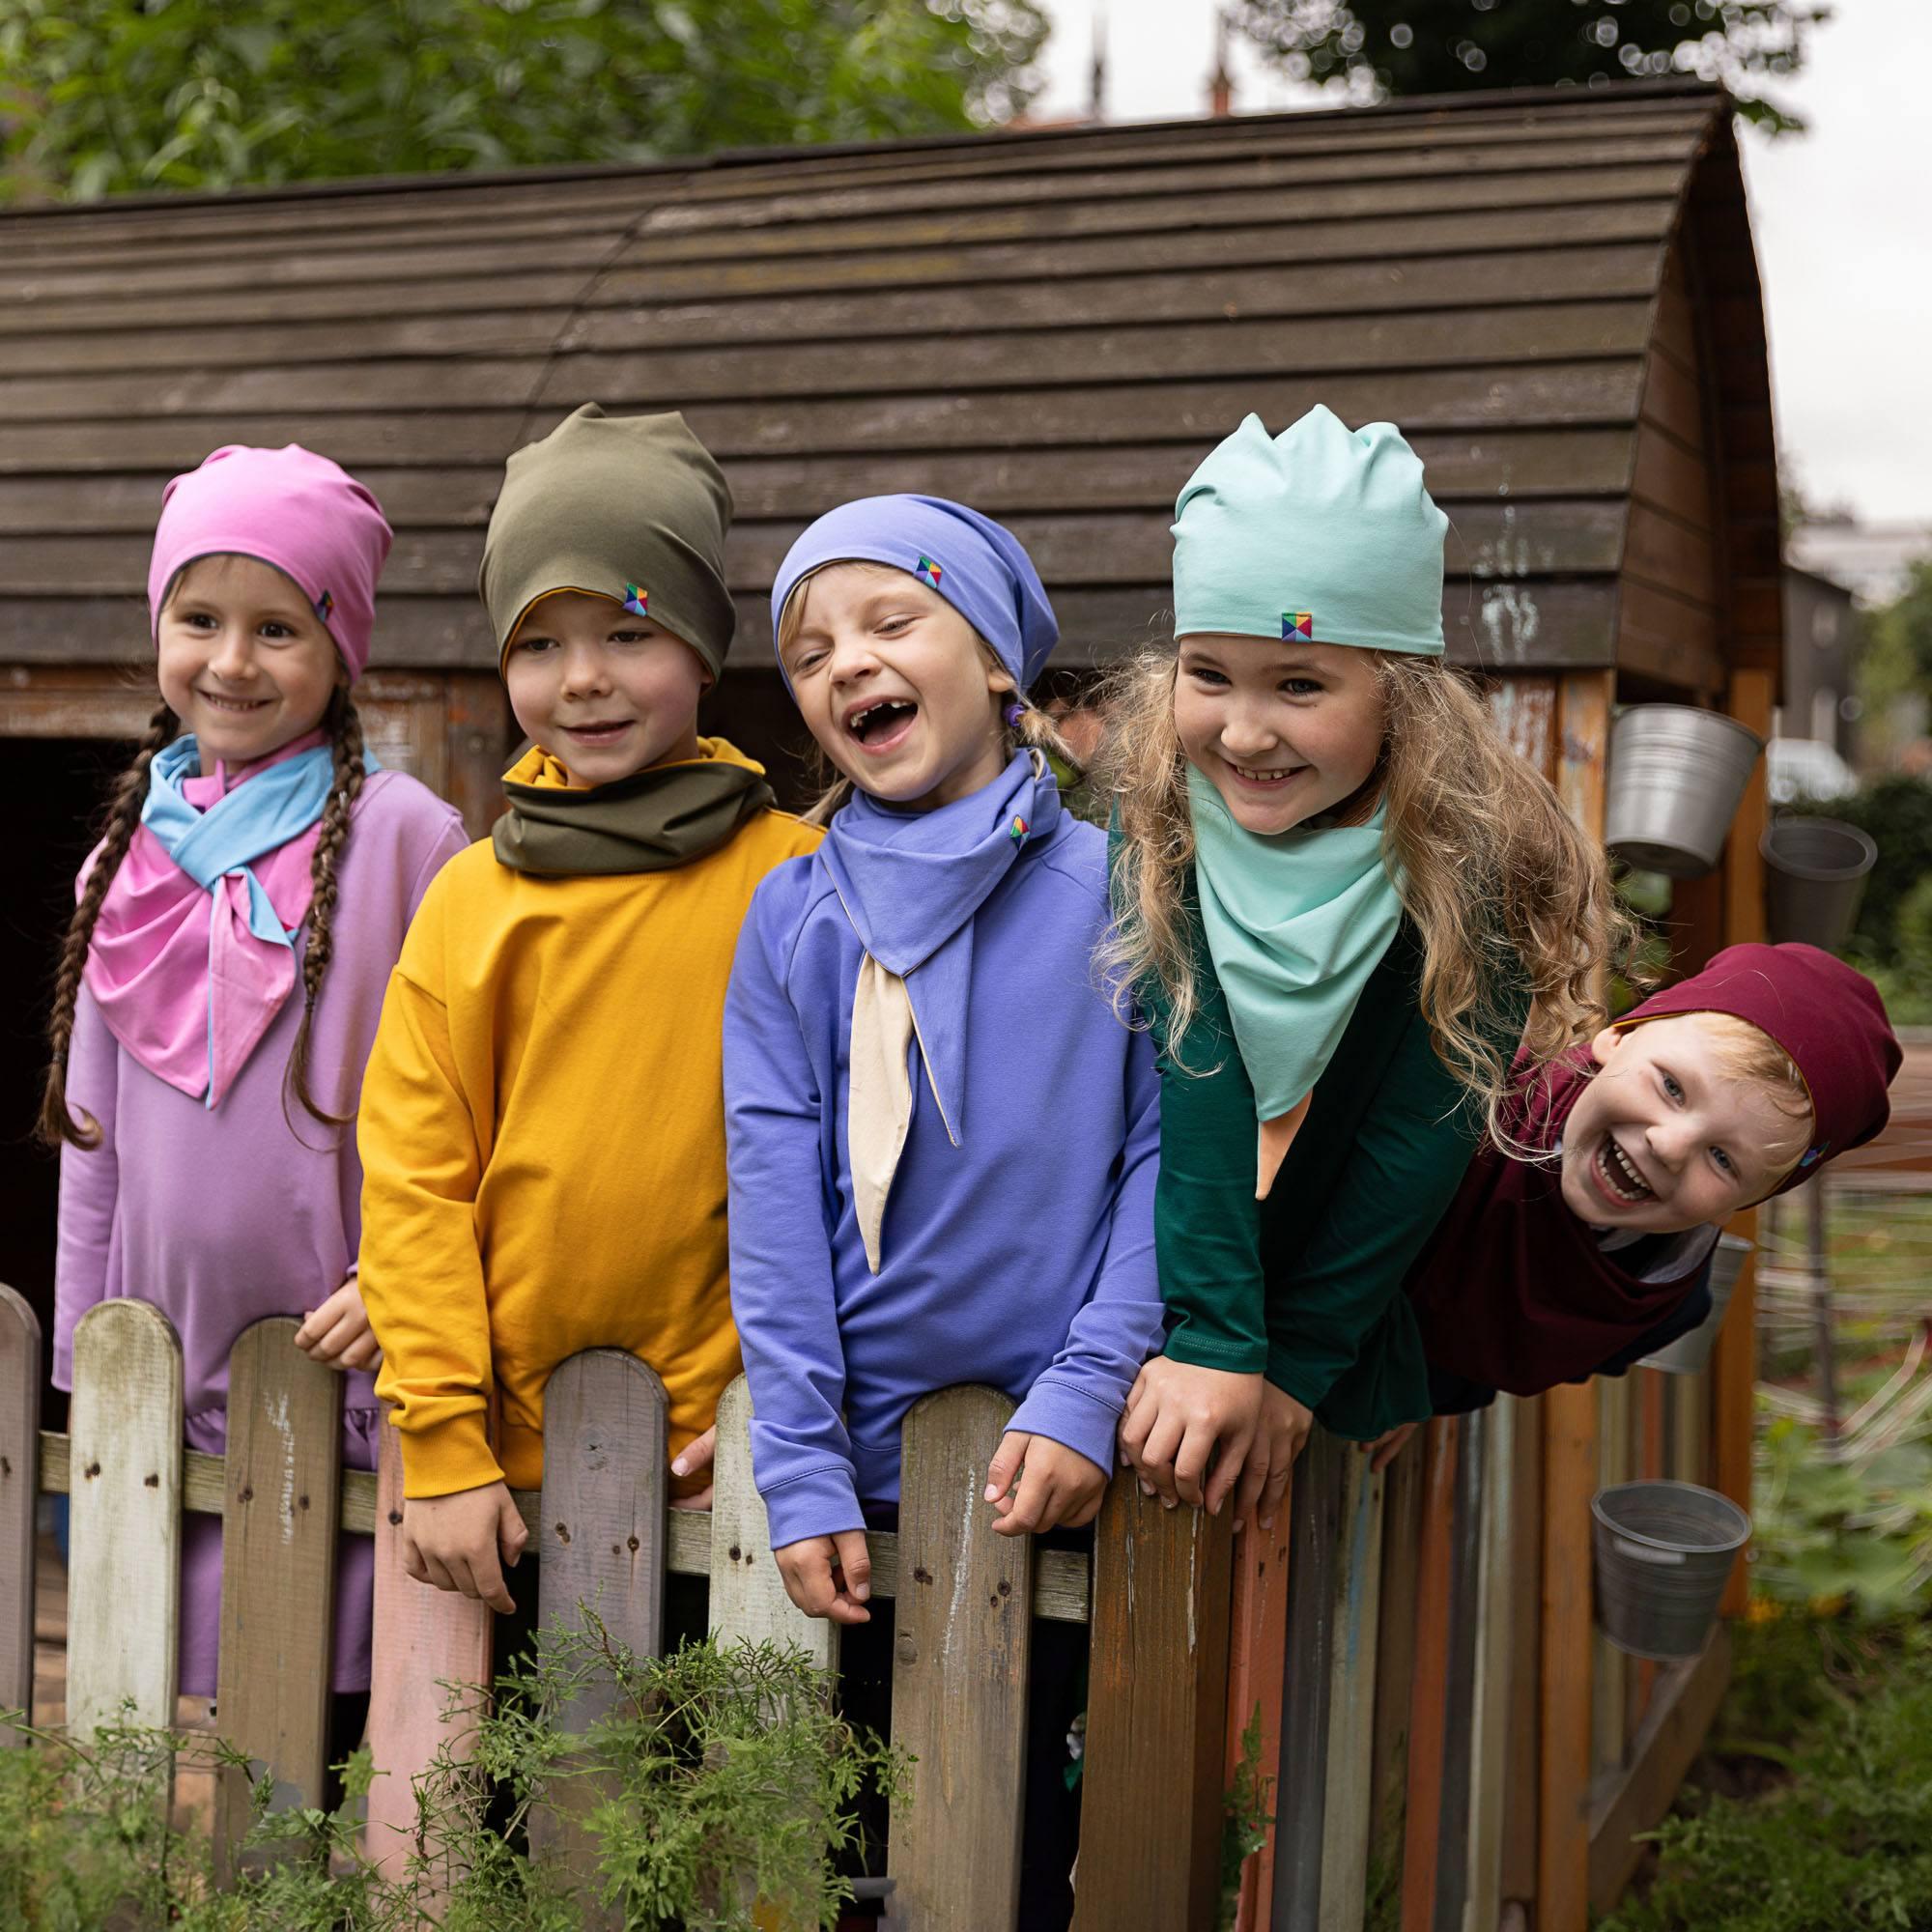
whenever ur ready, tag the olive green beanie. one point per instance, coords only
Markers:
(634, 508)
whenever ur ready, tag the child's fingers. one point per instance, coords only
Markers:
(1235, 1464)
(1139, 1422)
(1031, 1502)
(1080, 1518)
(481, 1576)
(512, 1531)
(1138, 1390)
(1190, 1463)
(364, 1352)
(1254, 1474)
(1389, 1447)
(1008, 1458)
(435, 1572)
(413, 1561)
(343, 1330)
(1279, 1476)
(699, 1501)
(695, 1455)
(854, 1558)
(1156, 1461)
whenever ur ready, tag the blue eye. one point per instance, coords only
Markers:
(1724, 1161)
(1671, 1089)
(1301, 687)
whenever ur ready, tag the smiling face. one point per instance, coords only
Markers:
(895, 685)
(245, 663)
(605, 692)
(1665, 1138)
(1284, 731)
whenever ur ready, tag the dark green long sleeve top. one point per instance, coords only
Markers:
(1306, 1287)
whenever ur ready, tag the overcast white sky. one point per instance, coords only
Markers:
(1842, 216)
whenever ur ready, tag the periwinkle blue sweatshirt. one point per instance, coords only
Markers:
(1023, 1256)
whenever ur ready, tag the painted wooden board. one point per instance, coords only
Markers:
(1494, 1670)
(1610, 1667)
(1522, 1766)
(1155, 1716)
(1302, 1798)
(20, 1492)
(431, 1678)
(749, 1603)
(278, 1542)
(960, 1673)
(1428, 1697)
(1569, 1480)
(1352, 1694)
(1394, 1677)
(1452, 1868)
(1257, 1666)
(125, 1544)
(602, 1544)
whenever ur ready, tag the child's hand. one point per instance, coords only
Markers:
(454, 1542)
(1278, 1440)
(338, 1334)
(692, 1457)
(828, 1575)
(1178, 1419)
(1385, 1448)
(1057, 1487)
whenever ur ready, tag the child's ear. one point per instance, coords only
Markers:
(1604, 1045)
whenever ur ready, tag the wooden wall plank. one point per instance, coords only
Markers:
(961, 1665)
(1257, 1683)
(1523, 1767)
(1158, 1696)
(1351, 1695)
(1498, 1560)
(1303, 1796)
(278, 1547)
(1402, 1614)
(124, 1541)
(1610, 1667)
(1428, 1721)
(1464, 1606)
(429, 1680)
(1569, 1480)
(20, 1494)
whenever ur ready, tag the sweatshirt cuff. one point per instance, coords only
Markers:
(1201, 1348)
(820, 1502)
(1070, 1416)
(446, 1457)
(1293, 1376)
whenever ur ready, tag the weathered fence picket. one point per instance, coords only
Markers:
(1427, 1723)
(1351, 1693)
(20, 1494)
(1312, 1567)
(1257, 1686)
(125, 1544)
(278, 1545)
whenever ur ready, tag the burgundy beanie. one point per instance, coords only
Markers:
(1825, 1015)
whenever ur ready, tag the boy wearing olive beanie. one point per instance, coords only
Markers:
(541, 1125)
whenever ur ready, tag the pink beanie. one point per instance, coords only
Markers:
(288, 508)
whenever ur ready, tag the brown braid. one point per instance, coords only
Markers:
(345, 731)
(124, 814)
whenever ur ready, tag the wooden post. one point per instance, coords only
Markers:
(429, 1682)
(962, 1652)
(278, 1547)
(1156, 1708)
(1610, 1667)
(749, 1603)
(1352, 1696)
(1563, 1816)
(20, 1492)
(1402, 1612)
(125, 1544)
(1458, 1699)
(602, 1533)
(1257, 1639)
(1302, 1798)
(1429, 1695)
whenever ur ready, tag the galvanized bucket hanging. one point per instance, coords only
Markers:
(1677, 774)
(1815, 877)
(1689, 1353)
(1663, 1555)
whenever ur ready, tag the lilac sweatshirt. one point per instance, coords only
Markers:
(222, 1218)
(1023, 1256)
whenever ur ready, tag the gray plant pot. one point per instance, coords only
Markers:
(1663, 1555)
(1814, 877)
(1691, 1352)
(1677, 774)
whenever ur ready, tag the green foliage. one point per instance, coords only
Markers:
(1846, 1846)
(719, 1778)
(100, 96)
(1245, 1820)
(1437, 46)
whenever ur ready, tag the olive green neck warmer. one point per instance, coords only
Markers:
(649, 822)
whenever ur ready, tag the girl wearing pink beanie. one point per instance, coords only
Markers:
(218, 990)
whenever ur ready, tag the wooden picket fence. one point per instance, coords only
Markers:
(1393, 1634)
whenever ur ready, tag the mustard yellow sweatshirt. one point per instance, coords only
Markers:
(542, 1135)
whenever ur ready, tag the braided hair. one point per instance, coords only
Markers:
(56, 1122)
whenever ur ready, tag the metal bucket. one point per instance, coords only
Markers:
(1815, 877)
(1663, 1555)
(1677, 774)
(1692, 1350)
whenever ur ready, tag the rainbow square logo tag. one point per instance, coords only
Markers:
(1298, 624)
(928, 572)
(324, 607)
(637, 601)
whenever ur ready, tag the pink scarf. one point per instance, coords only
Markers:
(180, 979)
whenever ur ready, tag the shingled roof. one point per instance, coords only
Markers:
(1552, 293)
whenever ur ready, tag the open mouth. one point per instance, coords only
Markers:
(1618, 1176)
(1265, 779)
(235, 707)
(881, 725)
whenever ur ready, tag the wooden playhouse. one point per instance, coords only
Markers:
(1555, 295)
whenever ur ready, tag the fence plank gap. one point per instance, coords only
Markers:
(278, 1547)
(1158, 1696)
(19, 1493)
(962, 1651)
(124, 1541)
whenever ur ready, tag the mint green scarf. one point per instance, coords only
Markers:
(1295, 924)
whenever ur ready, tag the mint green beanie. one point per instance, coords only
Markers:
(1322, 533)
